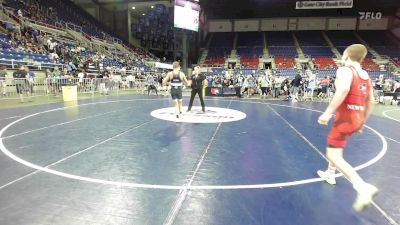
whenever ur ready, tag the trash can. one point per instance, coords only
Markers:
(70, 93)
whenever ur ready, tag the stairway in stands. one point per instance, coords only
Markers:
(372, 51)
(331, 45)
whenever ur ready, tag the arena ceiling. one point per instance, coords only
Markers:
(234, 9)
(137, 7)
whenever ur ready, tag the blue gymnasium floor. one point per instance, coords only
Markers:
(109, 161)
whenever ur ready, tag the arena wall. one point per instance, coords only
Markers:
(220, 26)
(342, 23)
(246, 25)
(311, 23)
(372, 24)
(274, 24)
(300, 23)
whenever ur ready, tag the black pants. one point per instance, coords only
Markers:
(151, 87)
(246, 89)
(195, 91)
(264, 90)
(237, 89)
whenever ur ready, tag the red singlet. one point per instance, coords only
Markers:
(350, 116)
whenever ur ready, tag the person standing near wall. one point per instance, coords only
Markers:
(20, 81)
(3, 84)
(264, 84)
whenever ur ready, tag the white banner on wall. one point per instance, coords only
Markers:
(324, 4)
(163, 65)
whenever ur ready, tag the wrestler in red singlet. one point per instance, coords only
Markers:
(351, 114)
(352, 103)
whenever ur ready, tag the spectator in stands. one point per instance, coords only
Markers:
(238, 83)
(379, 85)
(245, 86)
(53, 57)
(277, 82)
(296, 82)
(285, 86)
(66, 73)
(81, 76)
(264, 84)
(70, 67)
(51, 44)
(131, 80)
(396, 87)
(123, 71)
(10, 27)
(104, 82)
(396, 91)
(323, 87)
(30, 77)
(19, 13)
(151, 84)
(56, 76)
(310, 86)
(380, 82)
(3, 84)
(225, 82)
(20, 81)
(248, 86)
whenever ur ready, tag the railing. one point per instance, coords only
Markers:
(33, 64)
(74, 27)
(116, 40)
(11, 87)
(56, 26)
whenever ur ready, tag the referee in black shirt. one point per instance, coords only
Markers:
(197, 84)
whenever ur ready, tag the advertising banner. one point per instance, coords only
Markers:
(324, 4)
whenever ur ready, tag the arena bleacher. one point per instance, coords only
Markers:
(281, 47)
(60, 15)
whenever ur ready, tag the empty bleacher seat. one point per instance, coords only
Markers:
(280, 38)
(342, 38)
(283, 51)
(370, 65)
(284, 62)
(318, 51)
(310, 38)
(324, 63)
(250, 62)
(250, 39)
(222, 40)
(250, 51)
